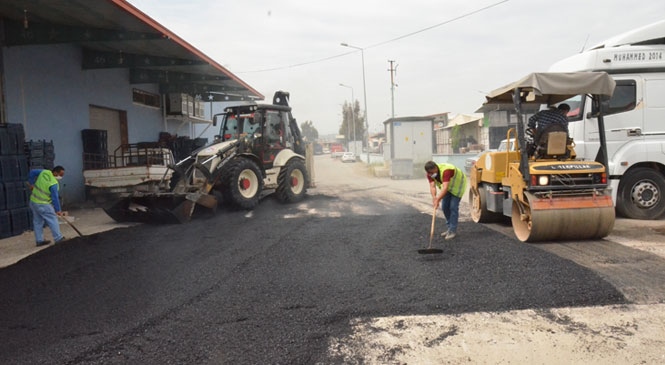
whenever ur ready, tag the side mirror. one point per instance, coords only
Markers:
(598, 107)
(214, 121)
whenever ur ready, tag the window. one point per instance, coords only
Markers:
(146, 98)
(623, 100)
(273, 126)
(229, 127)
(576, 108)
(624, 97)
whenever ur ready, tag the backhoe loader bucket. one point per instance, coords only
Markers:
(160, 209)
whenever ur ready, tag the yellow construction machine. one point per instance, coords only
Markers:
(546, 191)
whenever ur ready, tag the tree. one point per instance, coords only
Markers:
(347, 120)
(309, 132)
(456, 137)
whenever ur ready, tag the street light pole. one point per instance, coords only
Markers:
(362, 57)
(353, 120)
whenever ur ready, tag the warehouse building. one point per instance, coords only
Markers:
(68, 67)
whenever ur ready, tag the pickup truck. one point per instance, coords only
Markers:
(133, 167)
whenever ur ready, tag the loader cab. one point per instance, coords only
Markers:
(266, 126)
(237, 123)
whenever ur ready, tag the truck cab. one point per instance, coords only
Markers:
(634, 121)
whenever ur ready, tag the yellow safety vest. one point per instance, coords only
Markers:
(457, 184)
(41, 193)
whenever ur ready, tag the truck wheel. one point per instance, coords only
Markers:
(292, 182)
(640, 194)
(242, 183)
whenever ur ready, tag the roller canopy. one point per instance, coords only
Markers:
(553, 87)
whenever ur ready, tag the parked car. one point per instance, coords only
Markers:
(470, 161)
(349, 157)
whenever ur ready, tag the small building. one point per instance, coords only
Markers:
(500, 118)
(463, 133)
(411, 144)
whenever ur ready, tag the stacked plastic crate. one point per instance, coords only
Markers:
(40, 154)
(15, 215)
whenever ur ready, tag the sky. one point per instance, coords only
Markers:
(447, 53)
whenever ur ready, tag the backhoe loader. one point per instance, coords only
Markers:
(259, 149)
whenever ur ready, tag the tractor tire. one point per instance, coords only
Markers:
(479, 212)
(292, 182)
(242, 183)
(641, 194)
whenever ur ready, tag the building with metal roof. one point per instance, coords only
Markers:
(73, 65)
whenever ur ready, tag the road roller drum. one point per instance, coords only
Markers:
(569, 218)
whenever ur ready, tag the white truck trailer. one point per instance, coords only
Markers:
(635, 122)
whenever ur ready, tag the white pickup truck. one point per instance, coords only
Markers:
(132, 168)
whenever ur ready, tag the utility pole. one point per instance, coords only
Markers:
(362, 57)
(393, 71)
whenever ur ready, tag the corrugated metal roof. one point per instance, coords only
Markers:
(115, 34)
(462, 119)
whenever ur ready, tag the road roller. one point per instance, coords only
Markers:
(539, 184)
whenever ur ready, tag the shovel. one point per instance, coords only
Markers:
(71, 225)
(429, 249)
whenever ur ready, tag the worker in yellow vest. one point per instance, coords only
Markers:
(451, 183)
(45, 203)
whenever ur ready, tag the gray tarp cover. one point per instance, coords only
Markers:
(553, 87)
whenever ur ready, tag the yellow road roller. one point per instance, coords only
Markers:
(539, 184)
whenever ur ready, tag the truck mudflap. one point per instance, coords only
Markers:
(161, 208)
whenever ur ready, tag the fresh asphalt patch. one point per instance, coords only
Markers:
(268, 286)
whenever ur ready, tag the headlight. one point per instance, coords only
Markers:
(543, 180)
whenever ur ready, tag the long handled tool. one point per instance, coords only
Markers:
(429, 249)
(71, 225)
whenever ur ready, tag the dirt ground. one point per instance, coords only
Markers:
(632, 258)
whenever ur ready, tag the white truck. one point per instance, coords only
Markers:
(635, 123)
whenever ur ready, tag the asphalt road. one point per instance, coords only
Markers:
(268, 286)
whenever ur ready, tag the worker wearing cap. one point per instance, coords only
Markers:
(45, 203)
(451, 183)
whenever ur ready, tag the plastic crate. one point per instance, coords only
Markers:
(11, 139)
(15, 196)
(5, 224)
(3, 198)
(6, 145)
(20, 220)
(18, 136)
(94, 141)
(10, 169)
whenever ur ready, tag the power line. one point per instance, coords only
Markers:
(437, 25)
(297, 64)
(376, 44)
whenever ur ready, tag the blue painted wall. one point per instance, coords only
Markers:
(47, 91)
